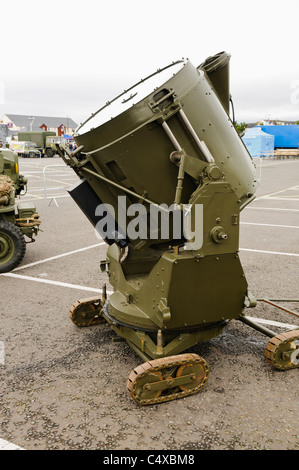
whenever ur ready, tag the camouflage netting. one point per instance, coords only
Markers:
(6, 188)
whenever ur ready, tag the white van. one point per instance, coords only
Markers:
(25, 149)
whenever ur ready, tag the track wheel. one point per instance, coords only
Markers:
(87, 312)
(167, 378)
(197, 370)
(145, 386)
(282, 351)
(12, 246)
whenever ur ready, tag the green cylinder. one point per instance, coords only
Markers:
(217, 69)
(128, 143)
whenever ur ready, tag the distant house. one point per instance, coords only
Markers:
(270, 123)
(22, 122)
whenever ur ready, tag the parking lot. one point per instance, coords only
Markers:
(64, 387)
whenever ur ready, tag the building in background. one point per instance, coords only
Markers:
(22, 122)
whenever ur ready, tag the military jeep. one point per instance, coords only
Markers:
(18, 222)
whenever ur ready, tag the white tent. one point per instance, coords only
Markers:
(258, 143)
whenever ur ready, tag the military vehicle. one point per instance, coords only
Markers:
(26, 149)
(16, 221)
(45, 141)
(167, 144)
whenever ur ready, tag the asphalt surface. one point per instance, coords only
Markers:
(64, 387)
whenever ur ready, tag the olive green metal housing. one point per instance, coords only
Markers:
(176, 145)
(16, 220)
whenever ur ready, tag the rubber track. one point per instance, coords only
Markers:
(86, 302)
(273, 346)
(160, 364)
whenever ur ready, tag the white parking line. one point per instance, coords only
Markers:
(54, 196)
(273, 323)
(277, 163)
(277, 192)
(57, 256)
(91, 289)
(54, 283)
(272, 209)
(284, 198)
(35, 190)
(50, 179)
(270, 225)
(28, 195)
(269, 252)
(5, 445)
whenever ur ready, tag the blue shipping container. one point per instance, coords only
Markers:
(285, 136)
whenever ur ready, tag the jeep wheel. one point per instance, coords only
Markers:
(49, 153)
(12, 246)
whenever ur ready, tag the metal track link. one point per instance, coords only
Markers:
(282, 351)
(168, 378)
(87, 312)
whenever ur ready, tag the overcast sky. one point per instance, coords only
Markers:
(67, 58)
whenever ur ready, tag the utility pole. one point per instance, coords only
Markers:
(31, 119)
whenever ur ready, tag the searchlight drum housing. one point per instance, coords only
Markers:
(166, 147)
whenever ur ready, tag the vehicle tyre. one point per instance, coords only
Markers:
(49, 153)
(32, 154)
(12, 246)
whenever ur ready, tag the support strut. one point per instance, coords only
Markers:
(257, 327)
